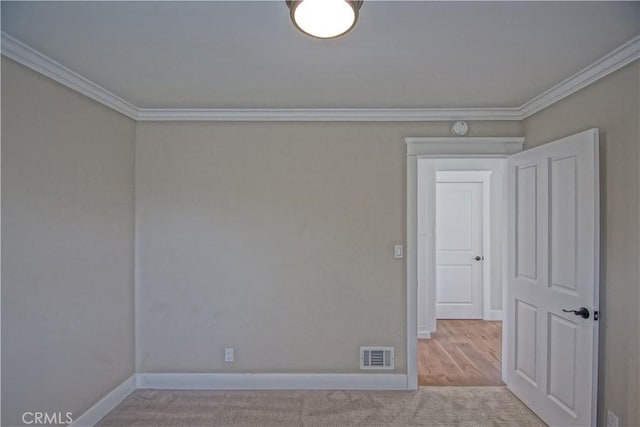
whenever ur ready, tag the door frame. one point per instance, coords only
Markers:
(483, 177)
(436, 148)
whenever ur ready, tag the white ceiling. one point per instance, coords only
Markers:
(242, 54)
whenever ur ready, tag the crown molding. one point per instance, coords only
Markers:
(327, 114)
(31, 58)
(613, 61)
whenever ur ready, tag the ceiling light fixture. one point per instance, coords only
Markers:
(324, 19)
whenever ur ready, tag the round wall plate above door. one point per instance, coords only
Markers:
(460, 128)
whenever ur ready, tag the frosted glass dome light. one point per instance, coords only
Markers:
(324, 19)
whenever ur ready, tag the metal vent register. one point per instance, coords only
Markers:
(376, 357)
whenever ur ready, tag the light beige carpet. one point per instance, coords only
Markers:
(429, 406)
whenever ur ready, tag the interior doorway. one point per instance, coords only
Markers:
(550, 333)
(463, 346)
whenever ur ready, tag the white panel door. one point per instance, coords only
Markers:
(459, 250)
(553, 267)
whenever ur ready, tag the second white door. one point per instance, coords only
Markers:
(459, 255)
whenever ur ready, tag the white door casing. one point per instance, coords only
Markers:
(553, 264)
(459, 240)
(440, 147)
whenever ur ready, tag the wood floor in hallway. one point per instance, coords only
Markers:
(462, 353)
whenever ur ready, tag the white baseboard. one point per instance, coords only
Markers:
(494, 315)
(272, 381)
(106, 404)
(424, 335)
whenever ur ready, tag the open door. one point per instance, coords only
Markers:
(553, 279)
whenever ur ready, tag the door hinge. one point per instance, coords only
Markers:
(596, 315)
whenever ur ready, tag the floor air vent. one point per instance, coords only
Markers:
(376, 358)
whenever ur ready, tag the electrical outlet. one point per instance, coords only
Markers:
(612, 419)
(228, 355)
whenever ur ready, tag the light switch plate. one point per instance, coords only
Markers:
(228, 354)
(399, 251)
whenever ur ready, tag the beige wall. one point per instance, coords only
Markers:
(611, 105)
(275, 239)
(67, 247)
